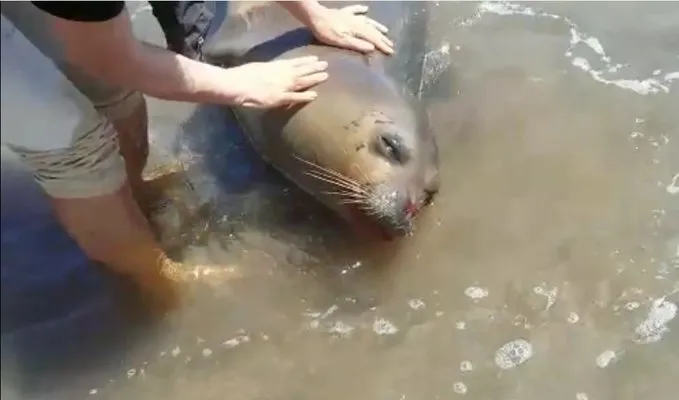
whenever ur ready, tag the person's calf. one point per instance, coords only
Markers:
(130, 120)
(131, 126)
(162, 193)
(112, 230)
(93, 201)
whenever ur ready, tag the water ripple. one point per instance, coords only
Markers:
(658, 83)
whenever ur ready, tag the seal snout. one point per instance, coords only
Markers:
(393, 210)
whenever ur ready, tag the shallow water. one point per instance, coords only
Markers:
(548, 266)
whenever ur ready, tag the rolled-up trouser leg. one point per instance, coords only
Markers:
(71, 147)
(63, 132)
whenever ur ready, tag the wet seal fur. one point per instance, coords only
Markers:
(363, 147)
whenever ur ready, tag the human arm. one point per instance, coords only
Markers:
(104, 46)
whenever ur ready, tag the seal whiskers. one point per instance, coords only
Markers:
(353, 192)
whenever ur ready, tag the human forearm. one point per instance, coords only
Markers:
(163, 74)
(108, 51)
(149, 69)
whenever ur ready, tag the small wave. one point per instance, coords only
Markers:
(658, 83)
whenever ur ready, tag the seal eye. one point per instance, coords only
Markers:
(391, 148)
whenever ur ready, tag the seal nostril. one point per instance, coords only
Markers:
(392, 209)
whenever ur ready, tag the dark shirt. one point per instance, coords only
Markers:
(83, 11)
(184, 24)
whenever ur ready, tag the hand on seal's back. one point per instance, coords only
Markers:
(277, 83)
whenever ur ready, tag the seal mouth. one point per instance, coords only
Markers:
(387, 210)
(397, 222)
(395, 217)
(371, 228)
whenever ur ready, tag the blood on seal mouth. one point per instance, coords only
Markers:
(366, 227)
(411, 209)
(387, 227)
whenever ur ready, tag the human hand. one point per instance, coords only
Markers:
(350, 28)
(281, 82)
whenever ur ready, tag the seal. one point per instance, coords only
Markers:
(363, 147)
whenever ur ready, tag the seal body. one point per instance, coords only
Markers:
(363, 147)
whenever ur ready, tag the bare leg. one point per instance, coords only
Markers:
(133, 140)
(111, 229)
(132, 133)
(93, 189)
(84, 175)
(96, 187)
(132, 205)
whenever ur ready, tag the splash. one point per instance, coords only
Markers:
(341, 329)
(513, 354)
(236, 341)
(658, 83)
(654, 327)
(416, 304)
(383, 327)
(549, 295)
(673, 187)
(466, 366)
(604, 359)
(459, 388)
(573, 317)
(476, 293)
